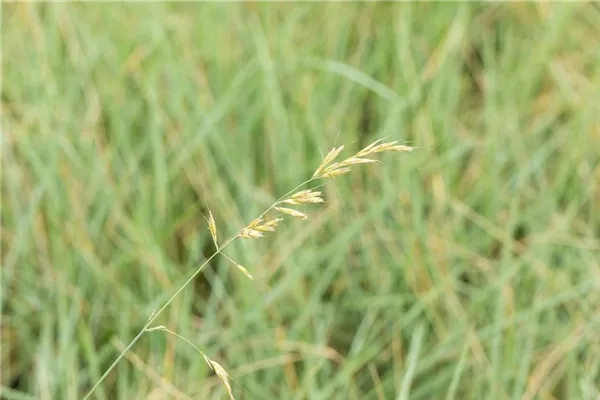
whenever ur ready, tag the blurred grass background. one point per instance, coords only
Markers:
(468, 269)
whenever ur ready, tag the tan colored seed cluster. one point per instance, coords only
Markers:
(329, 170)
(304, 197)
(222, 375)
(244, 271)
(250, 234)
(240, 267)
(332, 155)
(212, 227)
(255, 229)
(377, 147)
(292, 212)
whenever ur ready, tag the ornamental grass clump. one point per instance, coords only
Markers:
(267, 222)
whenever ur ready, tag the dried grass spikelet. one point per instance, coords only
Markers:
(335, 172)
(244, 271)
(212, 227)
(356, 160)
(327, 170)
(255, 222)
(292, 212)
(256, 227)
(377, 147)
(332, 155)
(304, 197)
(241, 268)
(247, 233)
(269, 226)
(222, 375)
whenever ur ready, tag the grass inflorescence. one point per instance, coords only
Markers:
(468, 270)
(256, 229)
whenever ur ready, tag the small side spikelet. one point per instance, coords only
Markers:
(269, 226)
(332, 155)
(356, 160)
(256, 227)
(292, 212)
(377, 147)
(367, 150)
(335, 172)
(212, 227)
(255, 222)
(222, 375)
(304, 197)
(247, 233)
(242, 269)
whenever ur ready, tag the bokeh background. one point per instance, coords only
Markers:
(467, 269)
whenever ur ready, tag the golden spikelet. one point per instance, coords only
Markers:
(292, 212)
(333, 153)
(356, 160)
(222, 375)
(269, 226)
(250, 234)
(402, 148)
(336, 172)
(291, 202)
(304, 193)
(255, 222)
(243, 271)
(330, 168)
(377, 147)
(304, 197)
(308, 200)
(241, 268)
(212, 227)
(367, 150)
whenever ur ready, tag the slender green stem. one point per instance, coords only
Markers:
(165, 329)
(114, 364)
(187, 282)
(150, 321)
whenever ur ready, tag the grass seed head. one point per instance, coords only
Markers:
(292, 212)
(401, 148)
(222, 375)
(291, 202)
(254, 223)
(212, 227)
(269, 226)
(336, 172)
(244, 271)
(250, 234)
(377, 147)
(303, 193)
(330, 168)
(357, 160)
(367, 150)
(304, 197)
(332, 155)
(311, 200)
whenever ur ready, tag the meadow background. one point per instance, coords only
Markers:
(468, 269)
